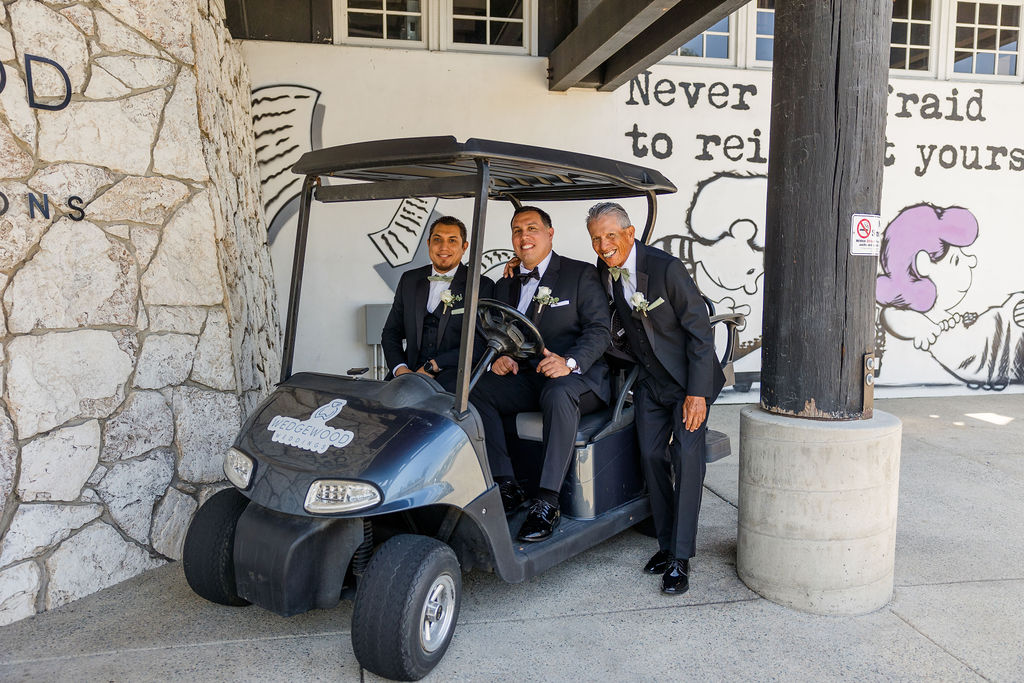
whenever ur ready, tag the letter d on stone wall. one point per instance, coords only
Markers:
(31, 90)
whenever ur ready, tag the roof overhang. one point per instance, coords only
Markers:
(618, 39)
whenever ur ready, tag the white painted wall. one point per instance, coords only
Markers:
(370, 93)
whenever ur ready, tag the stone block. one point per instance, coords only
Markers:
(61, 181)
(116, 37)
(167, 23)
(213, 363)
(116, 134)
(206, 424)
(81, 17)
(166, 359)
(170, 523)
(184, 271)
(8, 461)
(56, 377)
(56, 466)
(19, 232)
(144, 238)
(145, 423)
(7, 53)
(78, 277)
(179, 148)
(103, 86)
(41, 31)
(184, 319)
(14, 102)
(19, 587)
(91, 560)
(131, 488)
(139, 72)
(39, 526)
(140, 200)
(15, 162)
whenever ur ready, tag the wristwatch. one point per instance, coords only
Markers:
(571, 364)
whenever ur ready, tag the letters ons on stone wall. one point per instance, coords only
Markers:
(137, 319)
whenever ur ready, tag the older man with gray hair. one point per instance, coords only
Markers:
(666, 325)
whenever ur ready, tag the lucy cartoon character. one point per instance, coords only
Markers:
(926, 274)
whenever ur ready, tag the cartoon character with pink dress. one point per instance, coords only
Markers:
(926, 274)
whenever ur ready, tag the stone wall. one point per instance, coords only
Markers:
(138, 320)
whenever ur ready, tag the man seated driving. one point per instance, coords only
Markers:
(427, 313)
(564, 299)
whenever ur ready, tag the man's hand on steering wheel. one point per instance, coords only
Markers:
(553, 365)
(504, 365)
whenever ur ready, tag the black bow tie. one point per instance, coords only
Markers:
(523, 277)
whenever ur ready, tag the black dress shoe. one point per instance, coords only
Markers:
(676, 580)
(540, 522)
(658, 562)
(512, 495)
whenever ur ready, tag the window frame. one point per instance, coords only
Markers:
(936, 53)
(949, 48)
(736, 38)
(341, 36)
(447, 32)
(750, 43)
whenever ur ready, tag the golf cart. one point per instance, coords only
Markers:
(380, 492)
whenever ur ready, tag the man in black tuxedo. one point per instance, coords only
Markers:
(565, 300)
(428, 308)
(668, 333)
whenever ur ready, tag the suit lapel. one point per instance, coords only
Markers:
(642, 281)
(550, 280)
(422, 293)
(458, 286)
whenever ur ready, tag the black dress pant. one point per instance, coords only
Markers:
(674, 472)
(562, 400)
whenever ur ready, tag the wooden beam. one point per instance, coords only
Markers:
(605, 30)
(827, 148)
(680, 24)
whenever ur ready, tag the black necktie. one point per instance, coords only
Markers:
(524, 277)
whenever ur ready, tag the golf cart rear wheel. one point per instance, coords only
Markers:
(406, 607)
(208, 555)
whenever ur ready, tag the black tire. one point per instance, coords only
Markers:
(208, 555)
(391, 604)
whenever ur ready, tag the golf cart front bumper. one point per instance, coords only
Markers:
(290, 564)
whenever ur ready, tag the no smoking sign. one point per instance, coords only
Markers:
(865, 234)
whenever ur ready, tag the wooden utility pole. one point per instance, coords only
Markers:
(827, 144)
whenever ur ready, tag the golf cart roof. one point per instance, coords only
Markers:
(444, 167)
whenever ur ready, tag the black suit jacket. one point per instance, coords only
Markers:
(578, 326)
(405, 321)
(678, 330)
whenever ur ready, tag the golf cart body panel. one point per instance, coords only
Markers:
(402, 439)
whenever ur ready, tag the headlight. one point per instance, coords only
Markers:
(238, 467)
(336, 495)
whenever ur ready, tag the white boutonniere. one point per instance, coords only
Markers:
(543, 297)
(640, 303)
(449, 299)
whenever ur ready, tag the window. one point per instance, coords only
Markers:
(488, 22)
(911, 38)
(712, 44)
(387, 19)
(986, 38)
(764, 30)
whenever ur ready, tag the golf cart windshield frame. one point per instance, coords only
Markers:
(445, 168)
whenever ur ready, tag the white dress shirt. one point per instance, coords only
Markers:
(530, 286)
(628, 284)
(437, 287)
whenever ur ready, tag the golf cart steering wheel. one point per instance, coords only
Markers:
(507, 331)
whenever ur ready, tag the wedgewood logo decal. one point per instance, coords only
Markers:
(312, 434)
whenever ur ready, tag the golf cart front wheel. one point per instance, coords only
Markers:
(406, 607)
(208, 554)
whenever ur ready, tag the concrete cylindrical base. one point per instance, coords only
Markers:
(817, 510)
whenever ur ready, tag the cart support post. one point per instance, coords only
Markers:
(298, 262)
(462, 383)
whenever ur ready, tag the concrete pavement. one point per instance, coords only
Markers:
(957, 613)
